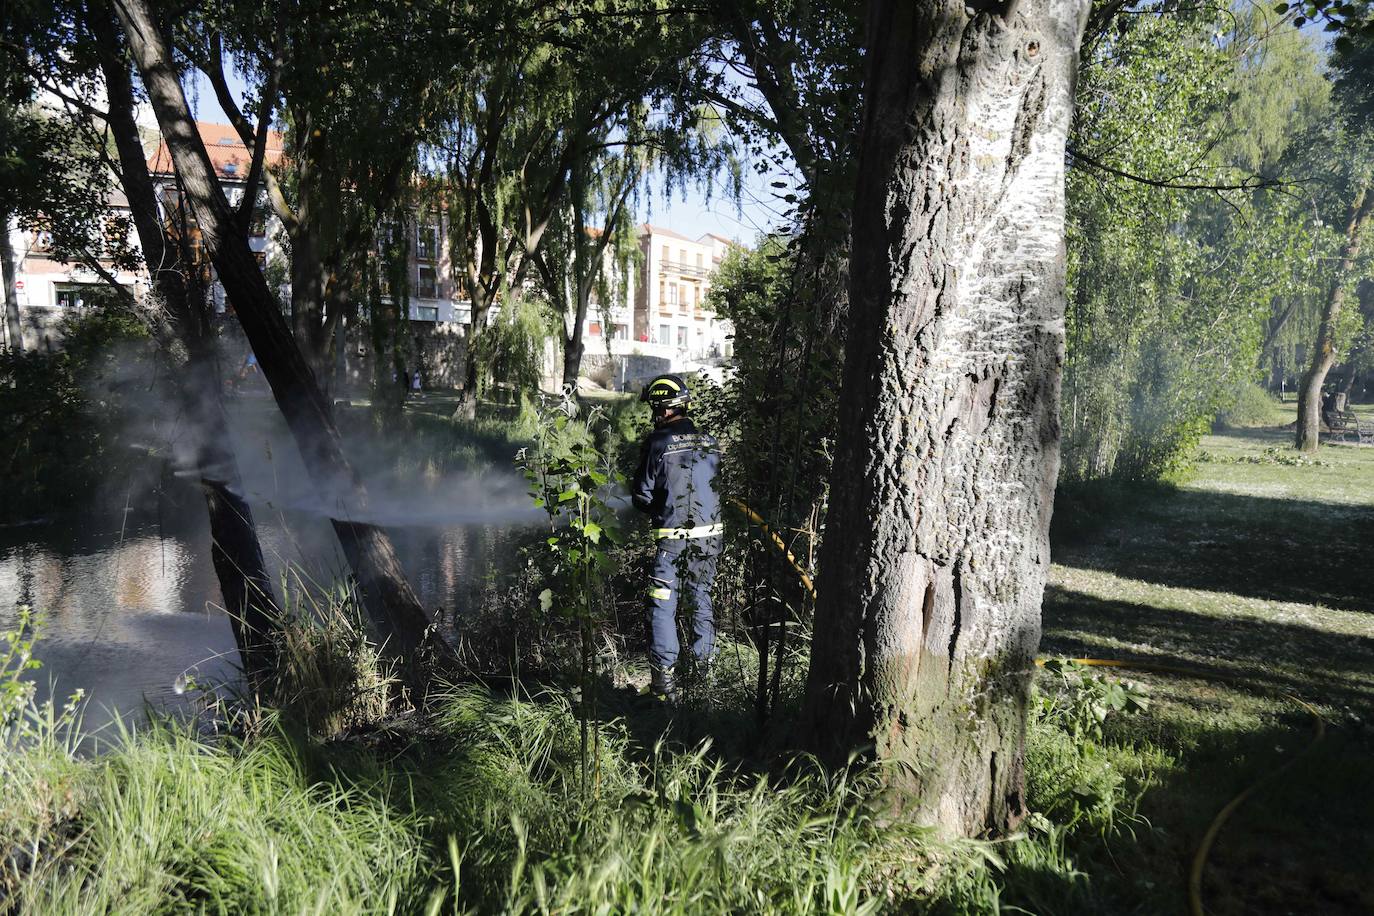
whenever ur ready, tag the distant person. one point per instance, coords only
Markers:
(415, 381)
(676, 487)
(249, 367)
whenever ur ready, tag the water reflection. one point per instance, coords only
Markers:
(129, 607)
(123, 613)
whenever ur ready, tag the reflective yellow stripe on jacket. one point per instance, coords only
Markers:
(681, 534)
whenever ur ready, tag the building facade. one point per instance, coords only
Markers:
(663, 311)
(658, 312)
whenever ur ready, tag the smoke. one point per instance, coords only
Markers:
(272, 475)
(406, 485)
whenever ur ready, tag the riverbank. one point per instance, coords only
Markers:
(1249, 569)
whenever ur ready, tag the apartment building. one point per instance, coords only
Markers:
(47, 289)
(664, 312)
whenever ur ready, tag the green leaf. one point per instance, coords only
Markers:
(553, 541)
(546, 600)
(567, 496)
(592, 531)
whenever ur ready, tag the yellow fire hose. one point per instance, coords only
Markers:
(778, 543)
(1214, 828)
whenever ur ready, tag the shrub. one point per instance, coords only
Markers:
(60, 412)
(1252, 406)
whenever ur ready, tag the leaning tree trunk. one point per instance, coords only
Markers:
(936, 546)
(1324, 352)
(13, 326)
(402, 623)
(183, 335)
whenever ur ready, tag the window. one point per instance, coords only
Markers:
(594, 329)
(699, 264)
(672, 294)
(386, 234)
(427, 286)
(116, 236)
(663, 334)
(696, 296)
(682, 256)
(662, 294)
(682, 338)
(426, 313)
(621, 332)
(666, 257)
(682, 300)
(69, 297)
(426, 243)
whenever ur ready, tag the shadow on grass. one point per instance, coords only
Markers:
(1299, 843)
(1258, 547)
(1317, 664)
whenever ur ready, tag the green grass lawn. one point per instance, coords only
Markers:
(1259, 569)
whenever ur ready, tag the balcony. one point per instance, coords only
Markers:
(683, 269)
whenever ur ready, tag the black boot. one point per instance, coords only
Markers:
(662, 686)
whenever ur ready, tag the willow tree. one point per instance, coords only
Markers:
(1347, 149)
(936, 545)
(587, 252)
(556, 88)
(74, 54)
(359, 86)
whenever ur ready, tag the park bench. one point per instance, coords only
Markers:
(1345, 424)
(1341, 423)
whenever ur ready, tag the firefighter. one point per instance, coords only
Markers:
(676, 486)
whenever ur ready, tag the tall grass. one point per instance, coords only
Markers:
(481, 806)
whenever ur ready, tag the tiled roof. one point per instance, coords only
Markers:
(227, 153)
(646, 229)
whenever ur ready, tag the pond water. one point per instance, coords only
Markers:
(129, 600)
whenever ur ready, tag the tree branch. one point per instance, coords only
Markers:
(1253, 183)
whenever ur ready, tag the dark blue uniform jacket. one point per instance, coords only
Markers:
(676, 480)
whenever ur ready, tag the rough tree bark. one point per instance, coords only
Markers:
(184, 340)
(1324, 352)
(14, 328)
(402, 623)
(936, 546)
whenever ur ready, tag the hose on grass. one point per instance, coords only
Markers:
(1204, 849)
(1209, 838)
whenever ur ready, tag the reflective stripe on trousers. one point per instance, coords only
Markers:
(684, 534)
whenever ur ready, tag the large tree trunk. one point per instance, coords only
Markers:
(307, 302)
(573, 347)
(936, 545)
(14, 328)
(1324, 352)
(184, 341)
(403, 625)
(475, 359)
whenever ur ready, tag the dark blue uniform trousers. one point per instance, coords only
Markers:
(683, 572)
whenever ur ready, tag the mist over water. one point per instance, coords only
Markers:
(126, 588)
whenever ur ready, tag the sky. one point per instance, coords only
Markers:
(690, 211)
